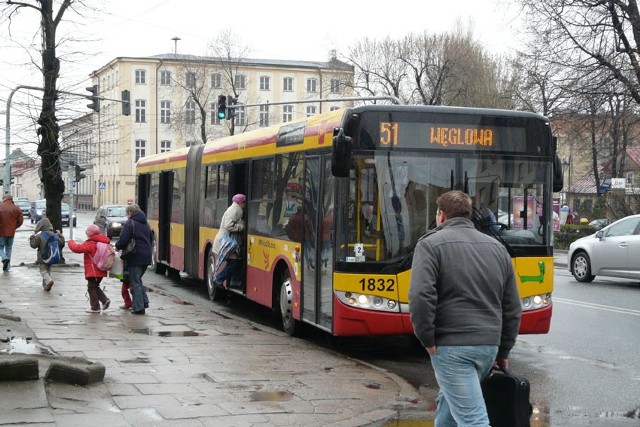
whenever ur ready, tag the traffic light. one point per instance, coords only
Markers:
(231, 112)
(94, 97)
(126, 103)
(222, 107)
(79, 175)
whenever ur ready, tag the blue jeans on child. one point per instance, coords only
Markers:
(459, 370)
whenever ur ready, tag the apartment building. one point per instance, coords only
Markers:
(173, 104)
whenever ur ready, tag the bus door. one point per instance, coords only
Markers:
(318, 200)
(238, 183)
(165, 202)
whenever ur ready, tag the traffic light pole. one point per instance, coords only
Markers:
(72, 192)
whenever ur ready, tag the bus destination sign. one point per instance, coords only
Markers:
(445, 136)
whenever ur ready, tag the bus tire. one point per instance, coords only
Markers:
(581, 267)
(156, 267)
(215, 293)
(290, 326)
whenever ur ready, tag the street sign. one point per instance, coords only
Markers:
(618, 183)
(102, 185)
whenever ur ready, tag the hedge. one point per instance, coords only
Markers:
(569, 233)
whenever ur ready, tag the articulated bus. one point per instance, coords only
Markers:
(336, 203)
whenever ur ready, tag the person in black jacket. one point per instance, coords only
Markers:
(136, 228)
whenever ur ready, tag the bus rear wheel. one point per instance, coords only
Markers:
(285, 301)
(215, 292)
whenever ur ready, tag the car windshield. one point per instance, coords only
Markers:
(116, 211)
(23, 204)
(64, 207)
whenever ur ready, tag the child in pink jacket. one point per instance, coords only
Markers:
(91, 272)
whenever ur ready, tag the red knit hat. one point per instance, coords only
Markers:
(92, 230)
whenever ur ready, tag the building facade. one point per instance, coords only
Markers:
(174, 103)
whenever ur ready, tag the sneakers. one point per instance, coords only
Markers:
(48, 286)
(137, 312)
(5, 264)
(91, 310)
(106, 304)
(125, 307)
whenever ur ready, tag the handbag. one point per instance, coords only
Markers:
(507, 399)
(130, 249)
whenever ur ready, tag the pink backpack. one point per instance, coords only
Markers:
(104, 257)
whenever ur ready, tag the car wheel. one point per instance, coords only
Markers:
(581, 267)
(290, 326)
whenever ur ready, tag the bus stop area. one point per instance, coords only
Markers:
(181, 364)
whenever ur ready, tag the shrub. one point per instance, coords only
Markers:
(569, 233)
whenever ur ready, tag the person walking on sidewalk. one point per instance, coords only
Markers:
(38, 240)
(464, 307)
(10, 220)
(136, 227)
(91, 271)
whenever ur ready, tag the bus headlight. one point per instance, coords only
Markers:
(368, 302)
(535, 302)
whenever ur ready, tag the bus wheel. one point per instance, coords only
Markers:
(581, 267)
(289, 325)
(215, 293)
(156, 267)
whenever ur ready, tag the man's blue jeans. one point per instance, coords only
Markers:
(6, 246)
(459, 370)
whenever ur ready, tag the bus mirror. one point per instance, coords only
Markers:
(341, 157)
(558, 176)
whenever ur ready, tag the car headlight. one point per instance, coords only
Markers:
(38, 211)
(116, 225)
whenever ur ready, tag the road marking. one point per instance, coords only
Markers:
(598, 306)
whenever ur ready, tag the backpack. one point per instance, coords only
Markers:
(51, 252)
(105, 256)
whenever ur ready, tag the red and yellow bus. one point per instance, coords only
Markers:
(336, 203)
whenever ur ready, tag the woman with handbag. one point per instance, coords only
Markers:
(135, 244)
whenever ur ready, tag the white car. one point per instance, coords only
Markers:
(612, 251)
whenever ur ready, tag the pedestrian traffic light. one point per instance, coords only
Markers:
(126, 103)
(79, 175)
(94, 97)
(222, 107)
(231, 112)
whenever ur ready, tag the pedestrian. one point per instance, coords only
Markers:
(228, 241)
(464, 307)
(10, 220)
(38, 240)
(91, 271)
(125, 290)
(137, 228)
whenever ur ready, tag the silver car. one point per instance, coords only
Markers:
(612, 251)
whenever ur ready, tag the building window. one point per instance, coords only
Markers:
(287, 113)
(311, 110)
(165, 146)
(165, 78)
(287, 84)
(335, 86)
(141, 77)
(264, 83)
(264, 115)
(141, 111)
(312, 85)
(240, 81)
(141, 149)
(216, 80)
(215, 120)
(334, 108)
(190, 79)
(241, 116)
(630, 179)
(190, 113)
(165, 112)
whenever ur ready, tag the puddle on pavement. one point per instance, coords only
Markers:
(271, 396)
(149, 331)
(24, 346)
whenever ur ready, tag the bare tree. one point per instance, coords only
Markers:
(47, 132)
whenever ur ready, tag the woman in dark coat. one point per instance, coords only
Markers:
(137, 228)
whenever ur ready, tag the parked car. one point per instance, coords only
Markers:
(599, 224)
(612, 251)
(111, 218)
(38, 209)
(64, 211)
(25, 207)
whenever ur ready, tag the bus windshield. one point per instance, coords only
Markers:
(389, 201)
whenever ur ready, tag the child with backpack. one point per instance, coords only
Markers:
(49, 244)
(92, 272)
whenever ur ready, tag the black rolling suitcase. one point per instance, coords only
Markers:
(507, 399)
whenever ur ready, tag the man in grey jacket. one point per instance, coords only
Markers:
(464, 307)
